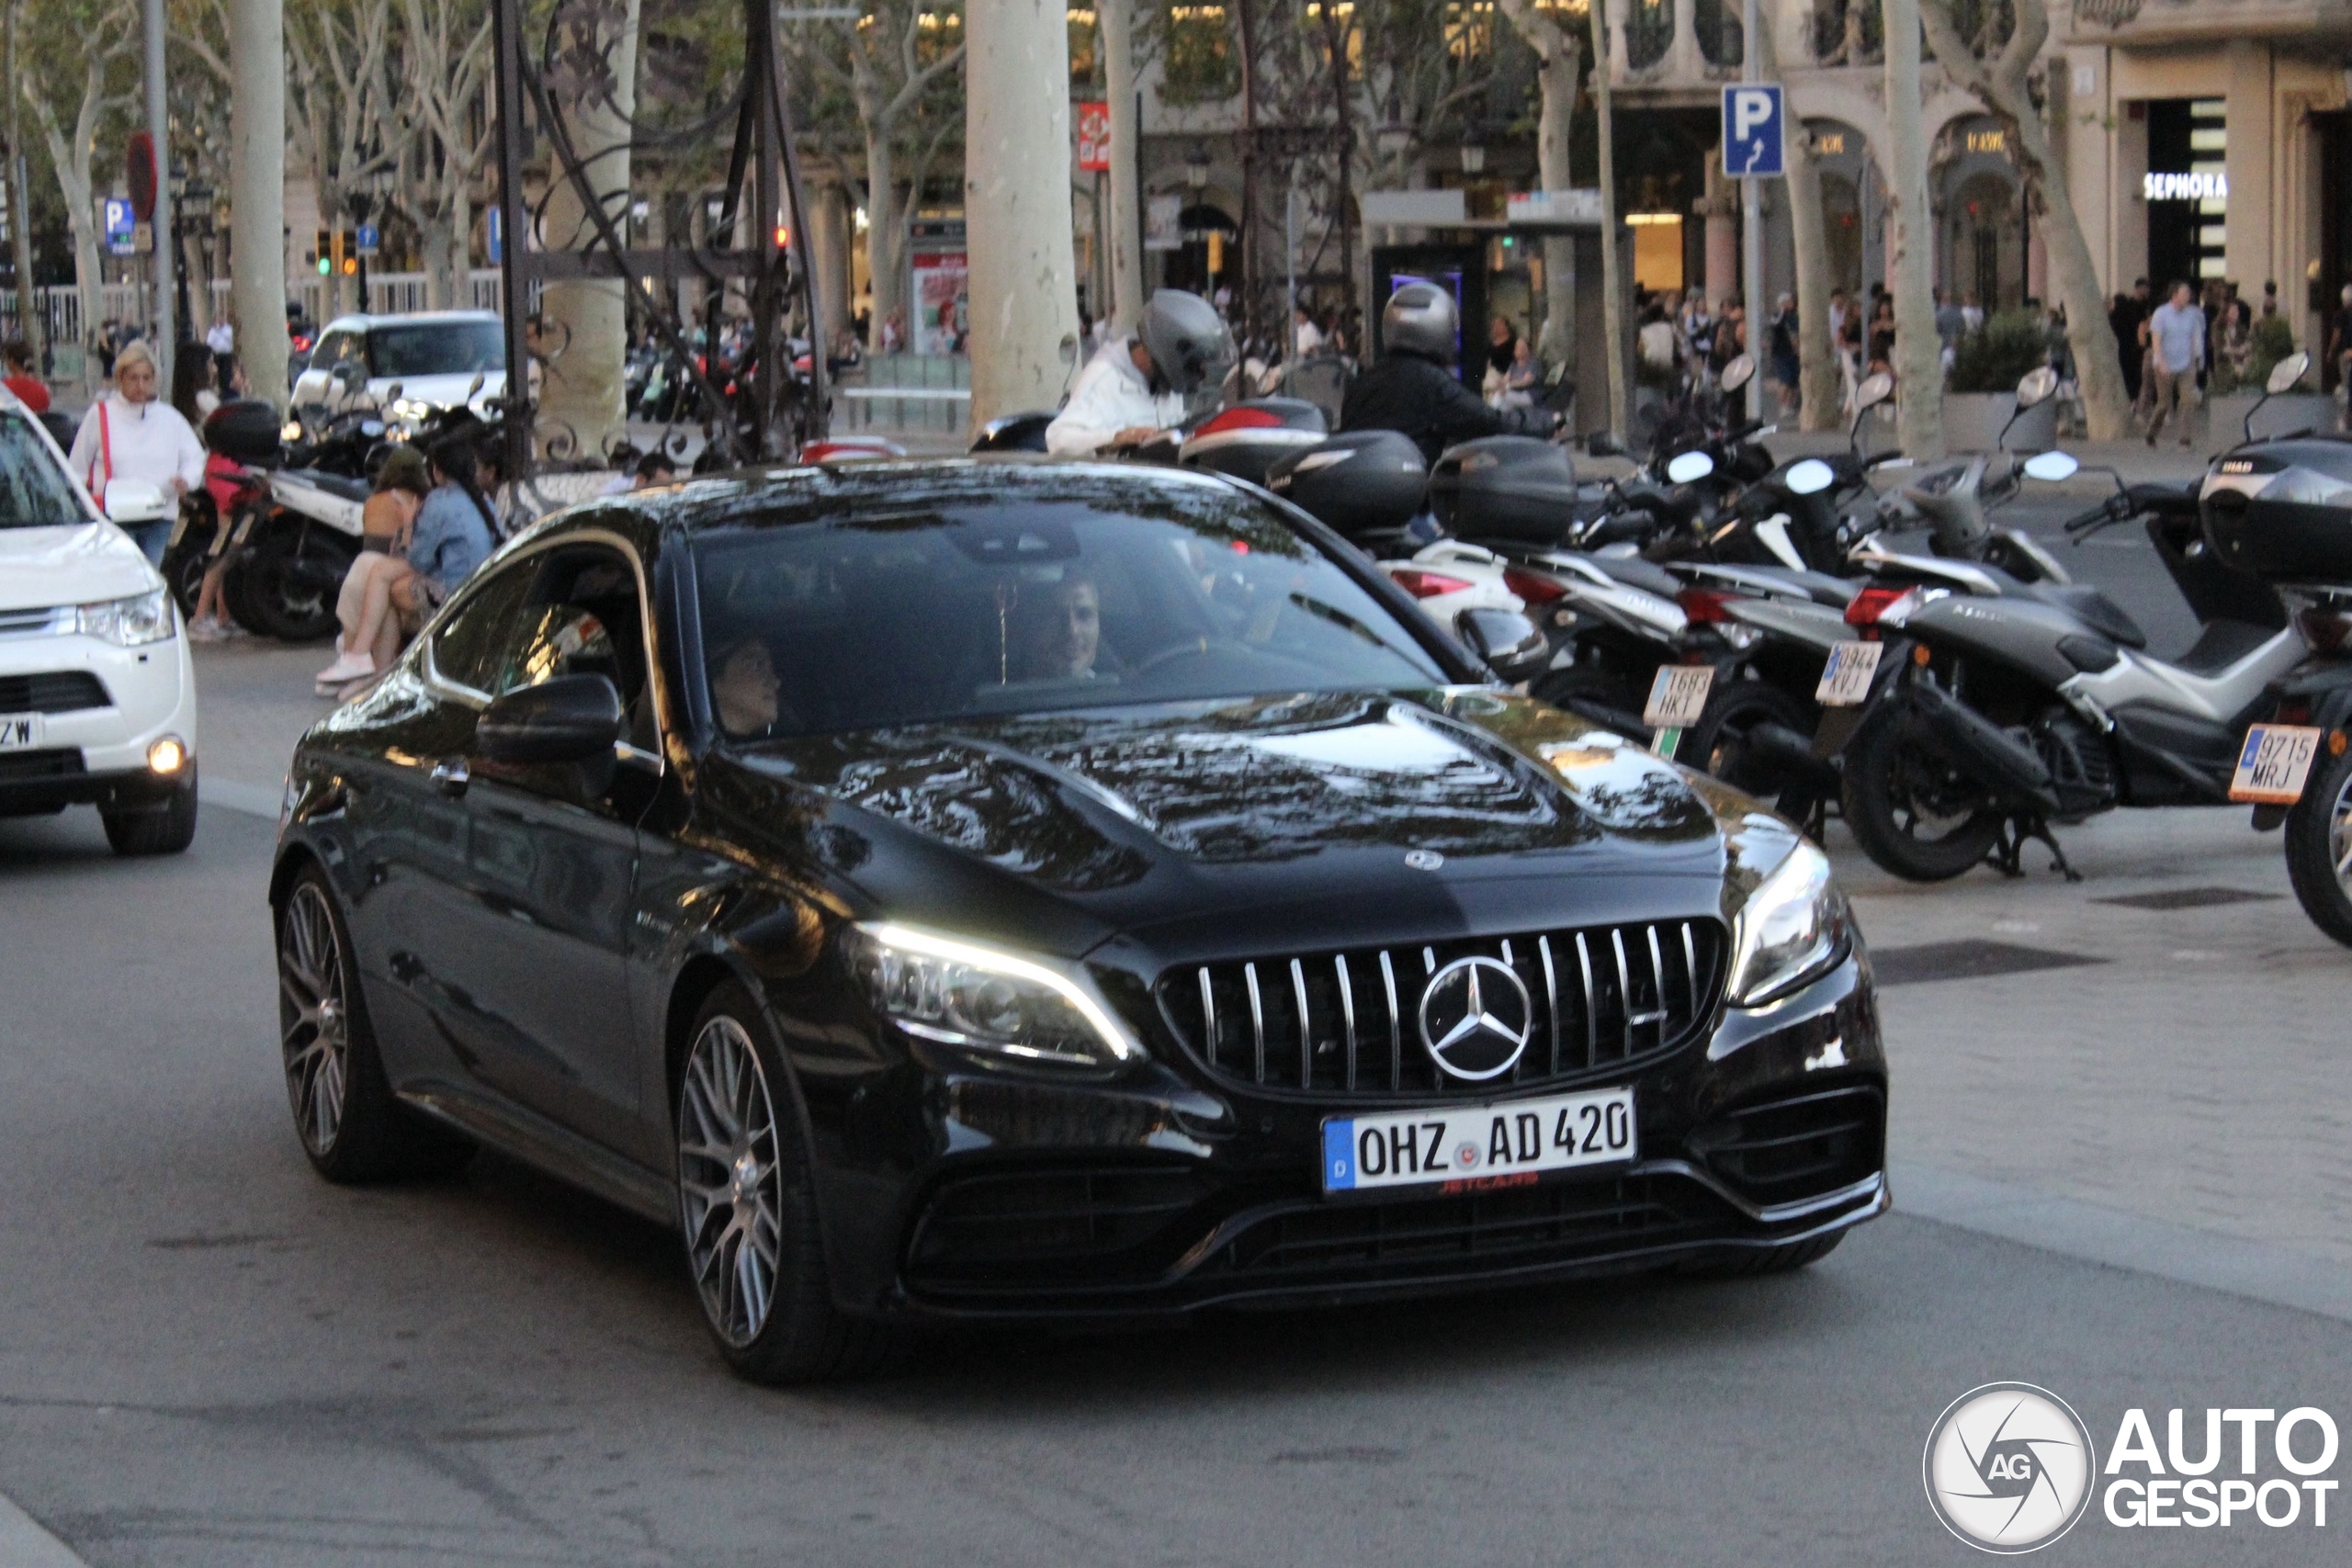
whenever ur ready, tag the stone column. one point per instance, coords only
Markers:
(1720, 208)
(2246, 68)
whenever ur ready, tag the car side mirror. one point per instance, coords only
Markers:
(136, 500)
(1507, 641)
(571, 718)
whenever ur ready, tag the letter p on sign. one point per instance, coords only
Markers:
(1752, 123)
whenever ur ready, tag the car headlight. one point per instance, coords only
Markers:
(127, 623)
(993, 1004)
(1792, 929)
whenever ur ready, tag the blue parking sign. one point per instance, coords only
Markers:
(121, 224)
(1752, 125)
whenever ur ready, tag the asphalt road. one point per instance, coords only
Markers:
(2109, 1179)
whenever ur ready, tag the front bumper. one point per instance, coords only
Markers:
(1157, 1197)
(96, 755)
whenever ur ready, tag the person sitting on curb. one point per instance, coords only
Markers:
(371, 633)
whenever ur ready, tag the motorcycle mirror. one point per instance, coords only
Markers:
(2036, 387)
(1739, 372)
(1688, 467)
(1875, 390)
(2288, 371)
(1601, 444)
(2051, 465)
(474, 387)
(1810, 476)
(392, 392)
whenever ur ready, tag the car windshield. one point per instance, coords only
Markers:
(34, 490)
(436, 348)
(928, 613)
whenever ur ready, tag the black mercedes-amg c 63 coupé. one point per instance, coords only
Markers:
(1007, 889)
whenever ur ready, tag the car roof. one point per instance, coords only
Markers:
(411, 318)
(777, 495)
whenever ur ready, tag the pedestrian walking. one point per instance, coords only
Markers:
(29, 388)
(128, 434)
(2176, 341)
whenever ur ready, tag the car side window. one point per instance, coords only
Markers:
(470, 647)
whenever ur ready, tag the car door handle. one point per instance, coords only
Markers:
(450, 777)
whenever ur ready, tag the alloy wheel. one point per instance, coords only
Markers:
(314, 1018)
(730, 1180)
(2339, 834)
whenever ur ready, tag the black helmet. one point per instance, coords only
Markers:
(1421, 319)
(1186, 338)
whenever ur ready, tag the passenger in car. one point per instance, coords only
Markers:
(371, 633)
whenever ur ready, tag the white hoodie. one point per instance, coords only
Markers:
(1111, 395)
(146, 441)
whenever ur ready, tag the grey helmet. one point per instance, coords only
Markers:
(1421, 319)
(1188, 340)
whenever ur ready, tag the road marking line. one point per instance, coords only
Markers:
(230, 794)
(2259, 1270)
(24, 1544)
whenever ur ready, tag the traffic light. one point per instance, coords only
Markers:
(319, 254)
(1216, 252)
(783, 237)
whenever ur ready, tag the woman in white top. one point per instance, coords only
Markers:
(129, 434)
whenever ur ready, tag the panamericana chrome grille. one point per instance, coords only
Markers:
(1600, 999)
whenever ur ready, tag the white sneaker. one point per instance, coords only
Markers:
(350, 667)
(206, 629)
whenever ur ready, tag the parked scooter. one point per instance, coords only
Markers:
(2015, 706)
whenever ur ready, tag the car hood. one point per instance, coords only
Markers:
(78, 564)
(439, 391)
(1235, 823)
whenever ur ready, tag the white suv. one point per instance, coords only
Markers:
(408, 365)
(97, 694)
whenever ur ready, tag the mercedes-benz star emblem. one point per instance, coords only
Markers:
(1476, 1017)
(1423, 860)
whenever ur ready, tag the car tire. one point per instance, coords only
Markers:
(1879, 789)
(1762, 1260)
(352, 1126)
(748, 1211)
(164, 829)
(2319, 840)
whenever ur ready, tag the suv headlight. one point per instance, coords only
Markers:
(1793, 928)
(995, 1004)
(127, 623)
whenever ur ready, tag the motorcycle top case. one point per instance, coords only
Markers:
(1248, 439)
(245, 431)
(2282, 510)
(1505, 487)
(1361, 482)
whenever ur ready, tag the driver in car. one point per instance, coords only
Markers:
(1136, 386)
(1061, 632)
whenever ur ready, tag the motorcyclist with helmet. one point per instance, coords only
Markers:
(1134, 386)
(1411, 389)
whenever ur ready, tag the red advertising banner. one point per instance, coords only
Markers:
(1094, 138)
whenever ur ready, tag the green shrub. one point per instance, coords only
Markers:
(1996, 356)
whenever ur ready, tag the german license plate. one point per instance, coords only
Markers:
(19, 731)
(1845, 679)
(2275, 762)
(1478, 1146)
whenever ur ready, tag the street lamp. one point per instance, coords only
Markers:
(1474, 157)
(1196, 168)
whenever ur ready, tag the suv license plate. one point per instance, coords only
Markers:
(19, 731)
(1478, 1145)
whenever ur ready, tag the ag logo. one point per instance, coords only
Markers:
(2008, 1467)
(1476, 1017)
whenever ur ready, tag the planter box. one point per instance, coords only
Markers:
(1972, 422)
(2225, 415)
